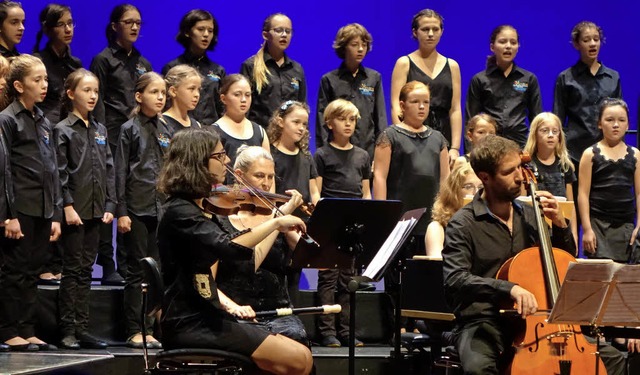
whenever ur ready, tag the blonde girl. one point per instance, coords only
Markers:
(183, 93)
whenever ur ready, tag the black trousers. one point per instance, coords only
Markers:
(80, 248)
(140, 242)
(330, 282)
(23, 261)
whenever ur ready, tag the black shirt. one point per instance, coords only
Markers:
(342, 171)
(611, 195)
(232, 144)
(286, 82)
(85, 163)
(365, 92)
(552, 178)
(294, 172)
(189, 243)
(476, 244)
(7, 210)
(8, 52)
(509, 100)
(117, 71)
(576, 99)
(209, 108)
(34, 167)
(139, 156)
(58, 69)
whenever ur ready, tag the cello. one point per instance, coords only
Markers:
(540, 347)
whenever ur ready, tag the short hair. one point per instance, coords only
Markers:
(429, 13)
(185, 172)
(247, 155)
(471, 124)
(577, 30)
(346, 34)
(189, 20)
(410, 87)
(340, 107)
(449, 200)
(486, 156)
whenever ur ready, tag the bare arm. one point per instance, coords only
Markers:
(434, 239)
(636, 188)
(574, 218)
(381, 162)
(455, 113)
(398, 79)
(366, 189)
(444, 165)
(584, 188)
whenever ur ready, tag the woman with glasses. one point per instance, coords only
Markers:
(462, 182)
(191, 240)
(548, 149)
(58, 26)
(117, 67)
(275, 78)
(440, 73)
(198, 34)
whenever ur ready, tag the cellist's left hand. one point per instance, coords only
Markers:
(551, 208)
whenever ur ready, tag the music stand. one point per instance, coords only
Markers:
(347, 230)
(599, 294)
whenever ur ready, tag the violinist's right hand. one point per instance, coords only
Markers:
(124, 224)
(525, 300)
(289, 222)
(293, 203)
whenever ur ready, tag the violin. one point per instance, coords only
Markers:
(541, 347)
(228, 200)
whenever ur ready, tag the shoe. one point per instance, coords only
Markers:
(134, 344)
(364, 286)
(113, 279)
(345, 342)
(4, 348)
(331, 342)
(53, 281)
(154, 344)
(44, 347)
(70, 342)
(86, 341)
(24, 348)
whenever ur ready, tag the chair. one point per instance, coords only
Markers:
(182, 361)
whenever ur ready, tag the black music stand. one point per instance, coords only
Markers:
(348, 231)
(599, 294)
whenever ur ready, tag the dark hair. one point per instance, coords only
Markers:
(141, 84)
(611, 102)
(189, 20)
(115, 16)
(229, 80)
(492, 39)
(4, 9)
(274, 131)
(71, 83)
(582, 26)
(488, 153)
(49, 17)
(429, 13)
(19, 68)
(346, 34)
(185, 172)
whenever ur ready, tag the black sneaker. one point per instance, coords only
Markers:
(87, 341)
(331, 342)
(113, 279)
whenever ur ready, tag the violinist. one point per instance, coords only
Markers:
(191, 240)
(262, 283)
(479, 238)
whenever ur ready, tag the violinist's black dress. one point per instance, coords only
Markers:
(190, 241)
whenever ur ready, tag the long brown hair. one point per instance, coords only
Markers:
(274, 131)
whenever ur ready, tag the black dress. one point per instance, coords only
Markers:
(190, 241)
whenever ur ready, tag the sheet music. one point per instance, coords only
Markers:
(400, 232)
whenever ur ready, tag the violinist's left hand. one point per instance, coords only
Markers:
(293, 203)
(551, 208)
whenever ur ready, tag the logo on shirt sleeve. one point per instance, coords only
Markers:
(213, 77)
(366, 90)
(295, 83)
(101, 139)
(520, 86)
(163, 140)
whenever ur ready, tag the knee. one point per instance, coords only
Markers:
(479, 365)
(303, 362)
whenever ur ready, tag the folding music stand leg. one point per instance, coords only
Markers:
(353, 287)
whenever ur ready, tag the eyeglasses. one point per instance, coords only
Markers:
(130, 23)
(68, 24)
(282, 31)
(219, 156)
(473, 187)
(553, 131)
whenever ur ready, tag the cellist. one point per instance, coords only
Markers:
(478, 240)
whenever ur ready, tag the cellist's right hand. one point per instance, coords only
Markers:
(525, 300)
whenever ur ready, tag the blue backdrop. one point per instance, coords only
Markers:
(544, 27)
